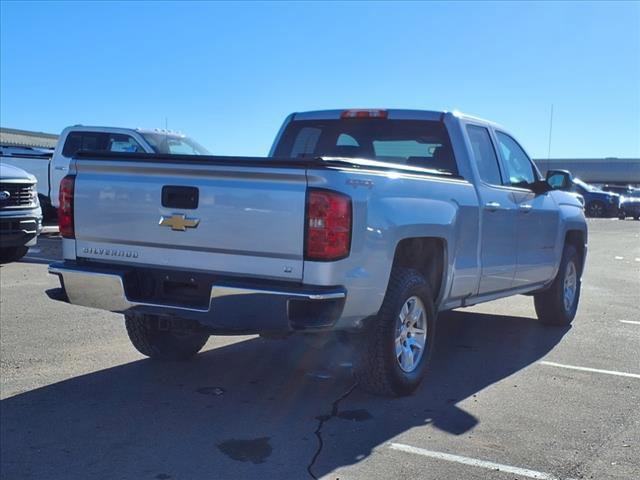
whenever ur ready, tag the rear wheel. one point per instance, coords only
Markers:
(396, 346)
(12, 254)
(622, 215)
(559, 303)
(162, 339)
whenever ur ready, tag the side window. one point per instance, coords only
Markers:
(516, 163)
(346, 140)
(123, 143)
(77, 141)
(72, 144)
(484, 154)
(178, 147)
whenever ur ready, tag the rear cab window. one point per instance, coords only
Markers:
(420, 143)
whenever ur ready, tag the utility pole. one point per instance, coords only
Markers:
(550, 131)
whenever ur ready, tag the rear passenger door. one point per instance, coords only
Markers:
(498, 215)
(538, 218)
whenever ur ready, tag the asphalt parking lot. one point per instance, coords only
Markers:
(506, 398)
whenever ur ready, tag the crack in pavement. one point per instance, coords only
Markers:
(322, 419)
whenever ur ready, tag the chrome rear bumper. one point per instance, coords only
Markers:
(232, 305)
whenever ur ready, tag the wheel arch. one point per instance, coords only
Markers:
(428, 256)
(578, 239)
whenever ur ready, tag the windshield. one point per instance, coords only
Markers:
(408, 142)
(585, 186)
(173, 144)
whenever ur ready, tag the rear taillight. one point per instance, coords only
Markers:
(65, 210)
(368, 113)
(328, 225)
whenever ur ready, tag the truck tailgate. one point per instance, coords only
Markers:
(246, 220)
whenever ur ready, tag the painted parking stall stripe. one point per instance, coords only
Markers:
(592, 370)
(474, 462)
(632, 322)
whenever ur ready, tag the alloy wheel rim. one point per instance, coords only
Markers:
(570, 286)
(596, 210)
(411, 334)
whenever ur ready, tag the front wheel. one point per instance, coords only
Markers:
(161, 340)
(595, 209)
(396, 346)
(559, 303)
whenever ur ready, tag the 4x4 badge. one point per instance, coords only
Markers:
(179, 222)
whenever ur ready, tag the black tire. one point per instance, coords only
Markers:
(49, 213)
(12, 254)
(621, 215)
(150, 339)
(377, 369)
(595, 209)
(550, 305)
(636, 218)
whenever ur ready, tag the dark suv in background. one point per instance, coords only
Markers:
(597, 202)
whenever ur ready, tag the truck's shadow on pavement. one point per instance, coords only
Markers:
(250, 409)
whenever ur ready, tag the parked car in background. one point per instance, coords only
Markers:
(49, 166)
(629, 207)
(365, 222)
(597, 202)
(629, 200)
(20, 213)
(625, 191)
(36, 161)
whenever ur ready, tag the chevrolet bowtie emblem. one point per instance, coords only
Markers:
(179, 222)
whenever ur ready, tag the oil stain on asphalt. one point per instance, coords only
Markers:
(255, 450)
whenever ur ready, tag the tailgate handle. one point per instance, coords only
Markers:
(174, 196)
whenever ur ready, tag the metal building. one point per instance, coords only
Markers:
(11, 137)
(623, 171)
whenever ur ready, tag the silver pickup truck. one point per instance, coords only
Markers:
(366, 222)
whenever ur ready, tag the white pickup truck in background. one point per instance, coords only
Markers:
(50, 166)
(37, 162)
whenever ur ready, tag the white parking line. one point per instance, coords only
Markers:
(523, 472)
(594, 370)
(630, 321)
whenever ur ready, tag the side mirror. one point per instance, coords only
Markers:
(559, 179)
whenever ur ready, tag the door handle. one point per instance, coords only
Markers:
(60, 168)
(492, 206)
(525, 207)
